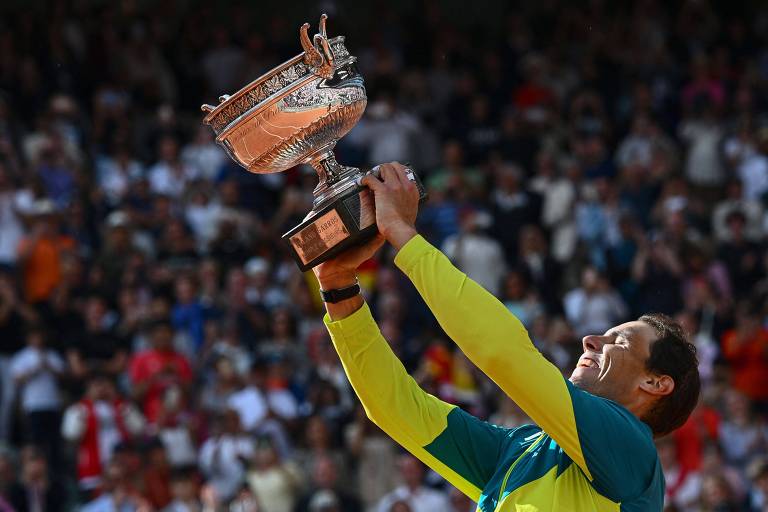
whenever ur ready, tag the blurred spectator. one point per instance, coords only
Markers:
(204, 154)
(657, 267)
(593, 307)
(319, 444)
(475, 253)
(170, 175)
(224, 383)
(758, 475)
(558, 185)
(184, 487)
(742, 435)
(734, 202)
(413, 492)
(520, 299)
(512, 207)
(740, 255)
(249, 401)
(13, 203)
(96, 425)
(534, 258)
(188, 314)
(14, 313)
(41, 251)
(273, 482)
(683, 486)
(56, 170)
(717, 495)
(118, 493)
(703, 135)
(98, 349)
(117, 171)
(325, 493)
(157, 475)
(225, 456)
(156, 372)
(746, 349)
(36, 370)
(387, 131)
(36, 490)
(375, 453)
(753, 170)
(455, 173)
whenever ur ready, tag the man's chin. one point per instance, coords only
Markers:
(583, 378)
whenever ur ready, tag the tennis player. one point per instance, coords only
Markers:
(592, 445)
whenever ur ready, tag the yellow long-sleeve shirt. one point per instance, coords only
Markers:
(584, 453)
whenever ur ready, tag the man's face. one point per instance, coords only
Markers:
(613, 365)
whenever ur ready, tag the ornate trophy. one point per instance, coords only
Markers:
(295, 114)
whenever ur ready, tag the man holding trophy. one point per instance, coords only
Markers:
(592, 446)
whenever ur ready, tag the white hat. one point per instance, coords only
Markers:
(323, 500)
(256, 266)
(42, 207)
(118, 219)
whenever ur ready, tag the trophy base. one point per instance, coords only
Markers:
(344, 222)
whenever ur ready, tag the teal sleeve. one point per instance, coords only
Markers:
(618, 448)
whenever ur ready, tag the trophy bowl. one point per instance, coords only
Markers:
(295, 114)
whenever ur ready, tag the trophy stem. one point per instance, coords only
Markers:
(328, 169)
(334, 177)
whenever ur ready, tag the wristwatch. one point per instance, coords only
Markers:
(340, 294)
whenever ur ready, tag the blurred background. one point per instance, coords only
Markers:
(587, 162)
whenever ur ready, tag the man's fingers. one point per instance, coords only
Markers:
(372, 182)
(390, 174)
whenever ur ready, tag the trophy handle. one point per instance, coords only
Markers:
(322, 63)
(312, 56)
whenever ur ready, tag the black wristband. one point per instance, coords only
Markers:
(340, 294)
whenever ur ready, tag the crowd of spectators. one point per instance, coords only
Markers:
(586, 162)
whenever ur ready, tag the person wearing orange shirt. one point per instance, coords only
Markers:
(40, 252)
(746, 349)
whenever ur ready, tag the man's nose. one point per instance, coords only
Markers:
(593, 343)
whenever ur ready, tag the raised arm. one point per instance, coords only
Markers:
(460, 447)
(484, 329)
(495, 340)
(455, 444)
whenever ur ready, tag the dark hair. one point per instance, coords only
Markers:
(672, 354)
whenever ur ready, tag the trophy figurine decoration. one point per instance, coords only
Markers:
(295, 114)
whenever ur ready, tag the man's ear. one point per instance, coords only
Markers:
(659, 385)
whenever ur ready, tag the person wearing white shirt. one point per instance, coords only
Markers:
(251, 406)
(204, 154)
(595, 306)
(96, 425)
(224, 457)
(418, 497)
(12, 202)
(169, 176)
(35, 370)
(477, 254)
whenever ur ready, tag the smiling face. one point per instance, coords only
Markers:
(614, 365)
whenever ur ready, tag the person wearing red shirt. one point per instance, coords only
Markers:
(96, 425)
(746, 349)
(158, 373)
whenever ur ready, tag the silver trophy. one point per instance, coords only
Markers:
(295, 114)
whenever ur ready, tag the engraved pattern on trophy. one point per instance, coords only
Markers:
(295, 114)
